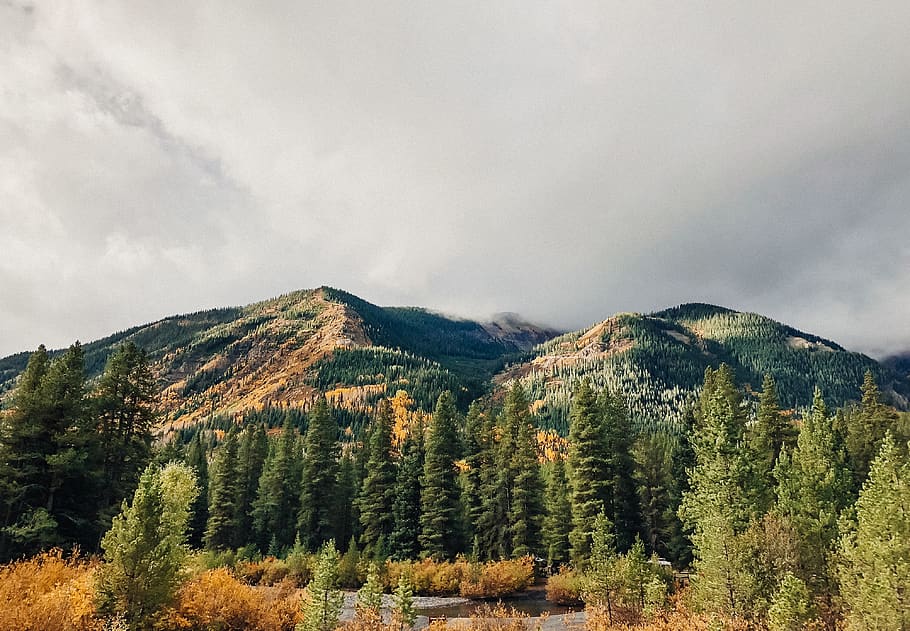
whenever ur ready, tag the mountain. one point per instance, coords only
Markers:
(281, 352)
(899, 363)
(657, 361)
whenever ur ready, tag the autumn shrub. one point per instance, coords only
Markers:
(566, 587)
(498, 578)
(217, 600)
(48, 593)
(676, 617)
(496, 618)
(493, 579)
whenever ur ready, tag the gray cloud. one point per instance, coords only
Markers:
(561, 160)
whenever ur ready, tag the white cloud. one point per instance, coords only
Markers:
(564, 161)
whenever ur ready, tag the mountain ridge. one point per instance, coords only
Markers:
(282, 352)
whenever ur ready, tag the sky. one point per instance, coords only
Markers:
(560, 160)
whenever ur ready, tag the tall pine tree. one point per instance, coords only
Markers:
(316, 523)
(526, 507)
(378, 493)
(278, 495)
(440, 534)
(589, 475)
(221, 528)
(814, 487)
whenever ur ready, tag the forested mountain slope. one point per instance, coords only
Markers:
(657, 361)
(282, 352)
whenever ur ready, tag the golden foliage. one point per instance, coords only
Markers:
(217, 600)
(551, 446)
(48, 593)
(471, 580)
(565, 588)
(677, 617)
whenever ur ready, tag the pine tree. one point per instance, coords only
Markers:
(659, 493)
(144, 550)
(316, 523)
(439, 528)
(588, 469)
(125, 403)
(874, 567)
(221, 528)
(814, 486)
(865, 429)
(403, 543)
(277, 496)
(623, 507)
(475, 449)
(46, 445)
(347, 487)
(557, 522)
(771, 432)
(197, 460)
(369, 600)
(322, 601)
(602, 581)
(491, 524)
(251, 454)
(717, 508)
(526, 509)
(403, 613)
(378, 492)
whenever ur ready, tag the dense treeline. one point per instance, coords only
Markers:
(70, 453)
(780, 517)
(657, 363)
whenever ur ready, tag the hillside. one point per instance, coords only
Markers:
(658, 360)
(281, 352)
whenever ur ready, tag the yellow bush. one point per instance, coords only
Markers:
(499, 578)
(217, 600)
(565, 588)
(48, 593)
(471, 580)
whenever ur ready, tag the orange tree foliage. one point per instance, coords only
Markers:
(217, 600)
(471, 580)
(48, 593)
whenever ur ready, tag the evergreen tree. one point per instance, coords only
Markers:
(197, 460)
(771, 432)
(221, 528)
(623, 508)
(322, 601)
(866, 426)
(589, 474)
(557, 522)
(277, 497)
(659, 493)
(347, 487)
(378, 492)
(403, 613)
(316, 523)
(717, 508)
(145, 548)
(251, 454)
(439, 528)
(526, 507)
(125, 404)
(46, 445)
(403, 543)
(491, 523)
(874, 567)
(475, 451)
(814, 486)
(369, 600)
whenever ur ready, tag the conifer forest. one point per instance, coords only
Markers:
(729, 504)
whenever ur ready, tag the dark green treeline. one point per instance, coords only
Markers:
(742, 479)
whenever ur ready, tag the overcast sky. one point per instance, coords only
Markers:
(564, 161)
